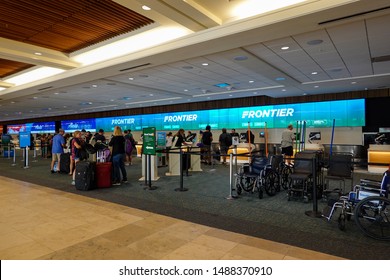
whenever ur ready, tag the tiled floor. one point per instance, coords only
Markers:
(37, 222)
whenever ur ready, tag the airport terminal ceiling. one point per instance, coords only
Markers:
(96, 56)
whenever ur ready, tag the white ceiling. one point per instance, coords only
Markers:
(336, 39)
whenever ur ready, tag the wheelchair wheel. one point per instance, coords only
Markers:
(285, 179)
(372, 216)
(341, 222)
(238, 185)
(270, 187)
(248, 184)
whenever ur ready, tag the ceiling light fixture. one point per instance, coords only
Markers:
(146, 8)
(205, 64)
(284, 48)
(314, 73)
(315, 42)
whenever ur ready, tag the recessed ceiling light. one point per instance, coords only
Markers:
(38, 53)
(240, 58)
(251, 82)
(315, 42)
(146, 8)
(284, 89)
(316, 86)
(56, 93)
(352, 83)
(314, 73)
(95, 86)
(131, 78)
(186, 90)
(284, 48)
(205, 64)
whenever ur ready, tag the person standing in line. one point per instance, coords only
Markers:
(288, 138)
(100, 136)
(117, 142)
(129, 146)
(207, 139)
(225, 141)
(58, 145)
(76, 146)
(168, 143)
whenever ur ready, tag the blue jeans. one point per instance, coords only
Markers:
(118, 162)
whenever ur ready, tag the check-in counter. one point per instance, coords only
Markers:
(242, 151)
(378, 154)
(139, 150)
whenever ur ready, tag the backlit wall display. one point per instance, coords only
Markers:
(73, 125)
(125, 122)
(16, 128)
(41, 127)
(347, 113)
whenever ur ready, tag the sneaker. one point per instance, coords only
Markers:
(124, 181)
(116, 184)
(73, 183)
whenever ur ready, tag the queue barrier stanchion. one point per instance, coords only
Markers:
(25, 165)
(231, 196)
(314, 213)
(148, 173)
(14, 156)
(181, 188)
(34, 154)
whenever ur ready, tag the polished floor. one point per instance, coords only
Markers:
(42, 223)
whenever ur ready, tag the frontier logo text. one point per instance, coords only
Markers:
(251, 114)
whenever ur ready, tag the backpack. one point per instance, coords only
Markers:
(128, 146)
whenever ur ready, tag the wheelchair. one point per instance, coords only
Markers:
(369, 205)
(258, 176)
(300, 180)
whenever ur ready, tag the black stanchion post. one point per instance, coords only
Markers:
(146, 169)
(181, 188)
(314, 213)
(148, 173)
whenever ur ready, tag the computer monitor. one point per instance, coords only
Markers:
(315, 135)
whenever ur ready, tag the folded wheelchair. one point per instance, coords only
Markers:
(369, 205)
(259, 175)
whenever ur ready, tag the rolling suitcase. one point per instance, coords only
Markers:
(65, 163)
(85, 175)
(103, 174)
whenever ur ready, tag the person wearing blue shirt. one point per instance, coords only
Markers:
(57, 149)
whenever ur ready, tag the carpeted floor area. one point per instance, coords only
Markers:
(206, 202)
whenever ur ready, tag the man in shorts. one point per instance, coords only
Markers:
(288, 138)
(58, 145)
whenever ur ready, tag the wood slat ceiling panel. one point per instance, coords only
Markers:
(11, 67)
(68, 25)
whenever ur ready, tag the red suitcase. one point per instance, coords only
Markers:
(103, 174)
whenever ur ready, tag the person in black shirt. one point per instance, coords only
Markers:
(207, 139)
(100, 136)
(179, 138)
(117, 143)
(225, 141)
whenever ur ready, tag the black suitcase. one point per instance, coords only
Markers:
(85, 175)
(65, 163)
